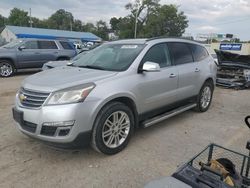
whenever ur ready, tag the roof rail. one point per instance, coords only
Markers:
(164, 37)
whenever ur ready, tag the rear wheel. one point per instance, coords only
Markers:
(6, 68)
(113, 128)
(205, 97)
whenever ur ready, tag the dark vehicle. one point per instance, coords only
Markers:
(233, 70)
(32, 53)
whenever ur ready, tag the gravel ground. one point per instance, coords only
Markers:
(153, 152)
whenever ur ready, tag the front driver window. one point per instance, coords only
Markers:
(31, 45)
(158, 54)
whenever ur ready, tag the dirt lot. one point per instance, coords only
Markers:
(152, 152)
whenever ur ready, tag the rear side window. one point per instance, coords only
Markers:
(180, 53)
(158, 54)
(47, 45)
(199, 52)
(67, 45)
(31, 45)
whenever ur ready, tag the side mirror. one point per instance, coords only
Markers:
(21, 48)
(151, 67)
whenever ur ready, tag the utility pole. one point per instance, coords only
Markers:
(70, 25)
(136, 20)
(30, 21)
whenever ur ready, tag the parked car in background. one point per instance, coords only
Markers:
(32, 53)
(113, 89)
(53, 64)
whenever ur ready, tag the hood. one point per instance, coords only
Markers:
(4, 50)
(224, 56)
(64, 77)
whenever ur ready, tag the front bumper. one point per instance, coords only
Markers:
(31, 122)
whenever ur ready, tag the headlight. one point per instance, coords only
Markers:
(71, 95)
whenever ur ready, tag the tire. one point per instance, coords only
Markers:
(7, 68)
(205, 96)
(115, 139)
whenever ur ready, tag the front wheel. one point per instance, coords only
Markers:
(113, 128)
(205, 97)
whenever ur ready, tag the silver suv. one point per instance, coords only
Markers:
(103, 96)
(33, 53)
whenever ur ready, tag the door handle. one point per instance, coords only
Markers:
(172, 75)
(37, 53)
(197, 70)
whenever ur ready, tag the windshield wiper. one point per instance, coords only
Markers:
(91, 67)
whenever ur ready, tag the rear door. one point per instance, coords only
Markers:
(200, 55)
(158, 89)
(28, 57)
(48, 51)
(187, 68)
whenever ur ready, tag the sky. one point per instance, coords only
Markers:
(205, 16)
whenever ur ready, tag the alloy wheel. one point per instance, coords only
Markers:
(116, 129)
(206, 97)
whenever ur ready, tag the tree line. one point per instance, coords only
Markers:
(149, 17)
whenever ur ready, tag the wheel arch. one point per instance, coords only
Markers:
(210, 80)
(63, 58)
(10, 60)
(128, 101)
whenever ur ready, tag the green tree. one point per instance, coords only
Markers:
(77, 25)
(102, 30)
(18, 17)
(3, 21)
(61, 19)
(141, 10)
(126, 27)
(166, 21)
(39, 23)
(89, 27)
(114, 23)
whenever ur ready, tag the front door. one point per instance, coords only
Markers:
(157, 89)
(29, 55)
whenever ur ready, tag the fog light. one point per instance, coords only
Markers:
(60, 123)
(64, 132)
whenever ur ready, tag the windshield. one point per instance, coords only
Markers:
(112, 57)
(12, 44)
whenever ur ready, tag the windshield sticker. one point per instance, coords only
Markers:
(129, 46)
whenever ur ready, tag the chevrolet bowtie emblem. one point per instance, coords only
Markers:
(22, 97)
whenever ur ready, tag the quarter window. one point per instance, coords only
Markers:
(199, 52)
(158, 54)
(180, 53)
(67, 45)
(47, 45)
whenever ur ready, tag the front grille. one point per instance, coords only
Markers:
(32, 99)
(28, 126)
(48, 130)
